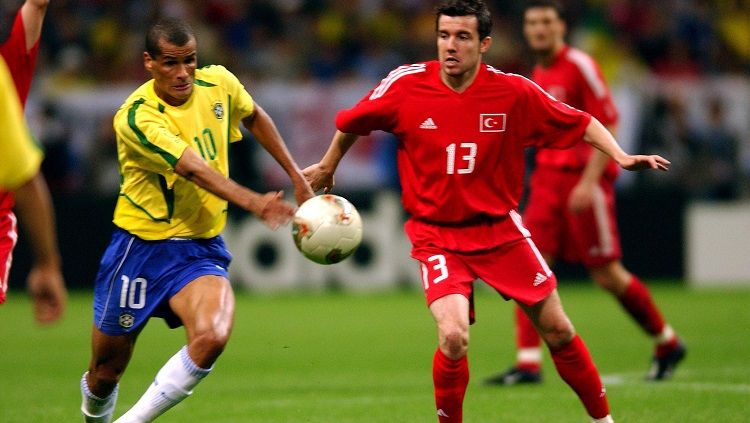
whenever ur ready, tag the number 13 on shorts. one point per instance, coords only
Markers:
(437, 266)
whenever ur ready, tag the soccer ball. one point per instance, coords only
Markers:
(327, 229)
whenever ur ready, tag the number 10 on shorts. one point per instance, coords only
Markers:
(133, 293)
(437, 262)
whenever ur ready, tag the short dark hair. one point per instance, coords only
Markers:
(172, 30)
(465, 8)
(546, 4)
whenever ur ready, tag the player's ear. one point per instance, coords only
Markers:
(147, 61)
(484, 45)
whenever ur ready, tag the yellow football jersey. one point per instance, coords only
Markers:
(19, 155)
(155, 202)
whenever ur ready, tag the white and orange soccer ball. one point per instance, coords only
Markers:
(327, 229)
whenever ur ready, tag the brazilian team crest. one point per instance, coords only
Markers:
(219, 111)
(127, 320)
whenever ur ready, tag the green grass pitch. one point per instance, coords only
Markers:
(355, 358)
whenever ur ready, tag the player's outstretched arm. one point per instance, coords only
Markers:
(320, 175)
(32, 13)
(598, 136)
(269, 207)
(582, 195)
(45, 282)
(264, 130)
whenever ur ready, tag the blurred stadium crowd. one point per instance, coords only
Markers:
(100, 40)
(679, 69)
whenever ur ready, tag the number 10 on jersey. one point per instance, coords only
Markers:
(467, 158)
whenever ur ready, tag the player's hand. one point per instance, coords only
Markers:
(275, 211)
(319, 178)
(303, 191)
(581, 197)
(48, 294)
(641, 162)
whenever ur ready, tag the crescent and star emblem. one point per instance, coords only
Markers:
(492, 122)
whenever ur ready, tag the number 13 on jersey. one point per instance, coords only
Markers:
(467, 158)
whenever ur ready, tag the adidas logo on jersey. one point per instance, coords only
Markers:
(428, 124)
(441, 413)
(539, 279)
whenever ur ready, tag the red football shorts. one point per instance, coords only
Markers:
(589, 237)
(516, 270)
(8, 237)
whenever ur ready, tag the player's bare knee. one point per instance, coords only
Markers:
(558, 334)
(605, 281)
(455, 343)
(612, 277)
(213, 340)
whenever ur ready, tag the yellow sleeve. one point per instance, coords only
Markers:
(148, 139)
(242, 105)
(20, 157)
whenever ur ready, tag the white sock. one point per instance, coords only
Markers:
(173, 383)
(95, 409)
(666, 335)
(607, 419)
(531, 355)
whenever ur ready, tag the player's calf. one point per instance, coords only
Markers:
(577, 369)
(450, 378)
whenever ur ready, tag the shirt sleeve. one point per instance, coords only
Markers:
(378, 109)
(549, 123)
(242, 105)
(19, 60)
(149, 140)
(597, 99)
(20, 157)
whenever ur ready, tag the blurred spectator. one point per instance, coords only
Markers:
(732, 24)
(104, 168)
(718, 155)
(666, 131)
(676, 61)
(329, 39)
(60, 167)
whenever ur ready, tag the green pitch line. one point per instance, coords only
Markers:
(351, 358)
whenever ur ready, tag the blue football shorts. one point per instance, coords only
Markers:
(137, 278)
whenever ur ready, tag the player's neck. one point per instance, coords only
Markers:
(460, 83)
(546, 57)
(172, 101)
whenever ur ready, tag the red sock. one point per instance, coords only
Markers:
(526, 337)
(576, 368)
(450, 378)
(638, 303)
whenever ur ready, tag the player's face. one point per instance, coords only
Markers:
(543, 29)
(459, 47)
(173, 71)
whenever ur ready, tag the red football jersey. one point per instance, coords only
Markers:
(21, 64)
(6, 202)
(20, 61)
(461, 155)
(575, 78)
